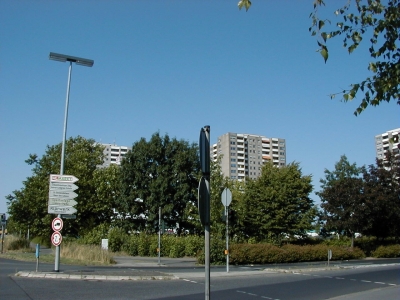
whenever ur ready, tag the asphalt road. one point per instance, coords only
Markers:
(362, 282)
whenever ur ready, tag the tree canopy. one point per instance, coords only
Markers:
(364, 200)
(28, 206)
(277, 203)
(161, 172)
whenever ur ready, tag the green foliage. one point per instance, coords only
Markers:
(217, 254)
(116, 239)
(18, 244)
(363, 200)
(42, 240)
(277, 204)
(28, 206)
(387, 251)
(94, 236)
(157, 173)
(341, 198)
(244, 3)
(266, 253)
(381, 22)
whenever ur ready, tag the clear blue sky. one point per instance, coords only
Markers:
(173, 67)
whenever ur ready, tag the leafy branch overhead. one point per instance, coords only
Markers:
(244, 3)
(380, 22)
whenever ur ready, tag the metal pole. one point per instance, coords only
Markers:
(227, 238)
(2, 237)
(57, 256)
(159, 236)
(207, 233)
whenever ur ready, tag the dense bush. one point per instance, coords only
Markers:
(42, 240)
(95, 236)
(19, 243)
(387, 251)
(267, 253)
(116, 239)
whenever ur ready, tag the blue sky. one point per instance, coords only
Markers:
(173, 67)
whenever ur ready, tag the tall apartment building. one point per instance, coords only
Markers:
(384, 142)
(243, 155)
(114, 154)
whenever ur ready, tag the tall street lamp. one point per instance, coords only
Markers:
(79, 61)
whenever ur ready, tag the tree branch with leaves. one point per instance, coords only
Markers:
(359, 19)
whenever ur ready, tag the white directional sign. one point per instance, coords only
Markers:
(62, 202)
(63, 178)
(57, 224)
(56, 238)
(63, 194)
(58, 210)
(62, 186)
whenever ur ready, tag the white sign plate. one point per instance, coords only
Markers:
(63, 194)
(62, 202)
(56, 238)
(58, 210)
(62, 186)
(57, 224)
(226, 197)
(63, 178)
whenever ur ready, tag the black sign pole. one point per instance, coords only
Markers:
(205, 214)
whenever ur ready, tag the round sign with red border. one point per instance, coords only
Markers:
(57, 224)
(56, 238)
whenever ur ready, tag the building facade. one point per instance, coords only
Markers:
(387, 141)
(114, 154)
(243, 155)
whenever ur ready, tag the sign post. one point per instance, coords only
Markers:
(226, 199)
(61, 202)
(204, 200)
(3, 221)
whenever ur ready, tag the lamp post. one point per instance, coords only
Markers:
(79, 61)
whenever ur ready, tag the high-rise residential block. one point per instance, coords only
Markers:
(114, 154)
(243, 155)
(387, 141)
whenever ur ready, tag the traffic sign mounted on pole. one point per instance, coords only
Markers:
(56, 238)
(62, 202)
(61, 210)
(62, 186)
(57, 224)
(204, 142)
(63, 178)
(63, 194)
(226, 197)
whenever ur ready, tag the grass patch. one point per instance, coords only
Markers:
(71, 253)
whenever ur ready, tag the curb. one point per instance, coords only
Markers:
(90, 277)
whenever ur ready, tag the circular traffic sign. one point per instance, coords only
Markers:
(57, 224)
(56, 238)
(226, 197)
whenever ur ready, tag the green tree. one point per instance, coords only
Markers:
(277, 203)
(161, 172)
(379, 21)
(342, 200)
(28, 206)
(382, 197)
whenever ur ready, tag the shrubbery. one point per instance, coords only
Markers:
(244, 253)
(266, 253)
(387, 251)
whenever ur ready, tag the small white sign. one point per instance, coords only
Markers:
(104, 244)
